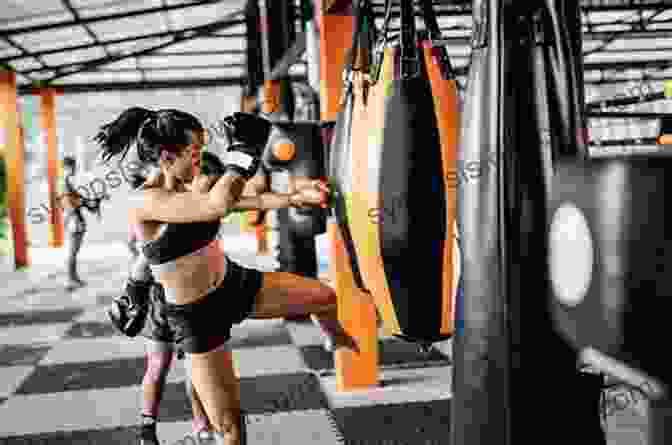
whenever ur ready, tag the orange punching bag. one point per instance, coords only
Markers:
(393, 177)
(366, 135)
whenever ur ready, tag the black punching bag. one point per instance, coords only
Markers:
(411, 187)
(296, 147)
(479, 350)
(507, 343)
(609, 258)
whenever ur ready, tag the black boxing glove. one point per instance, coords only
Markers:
(243, 137)
(128, 312)
(211, 165)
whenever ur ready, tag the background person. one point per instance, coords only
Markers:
(75, 223)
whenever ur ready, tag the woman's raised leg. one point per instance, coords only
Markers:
(284, 294)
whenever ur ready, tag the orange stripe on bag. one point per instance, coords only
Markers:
(447, 108)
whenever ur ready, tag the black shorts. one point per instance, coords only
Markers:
(206, 324)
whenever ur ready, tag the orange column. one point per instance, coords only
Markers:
(48, 96)
(11, 145)
(269, 105)
(356, 310)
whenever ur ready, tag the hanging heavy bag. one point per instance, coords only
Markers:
(445, 92)
(411, 193)
(296, 147)
(341, 151)
(609, 228)
(371, 86)
(480, 354)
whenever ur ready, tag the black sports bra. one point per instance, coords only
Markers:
(177, 240)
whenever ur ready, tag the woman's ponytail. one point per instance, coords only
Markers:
(151, 131)
(116, 137)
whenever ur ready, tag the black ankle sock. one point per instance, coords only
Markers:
(148, 428)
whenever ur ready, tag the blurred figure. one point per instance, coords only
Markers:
(75, 223)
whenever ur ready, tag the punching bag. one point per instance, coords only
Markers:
(412, 193)
(342, 156)
(393, 178)
(296, 147)
(609, 258)
(507, 342)
(480, 351)
(365, 139)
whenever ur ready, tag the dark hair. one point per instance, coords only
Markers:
(151, 131)
(211, 164)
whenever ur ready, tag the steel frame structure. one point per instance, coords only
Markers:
(639, 19)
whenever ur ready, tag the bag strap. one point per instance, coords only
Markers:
(431, 23)
(364, 26)
(410, 63)
(381, 44)
(364, 30)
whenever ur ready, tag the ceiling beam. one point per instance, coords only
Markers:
(75, 67)
(103, 18)
(184, 69)
(156, 35)
(628, 65)
(624, 101)
(181, 84)
(464, 7)
(87, 28)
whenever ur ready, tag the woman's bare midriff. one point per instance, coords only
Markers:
(195, 275)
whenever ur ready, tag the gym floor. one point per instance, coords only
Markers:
(67, 377)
